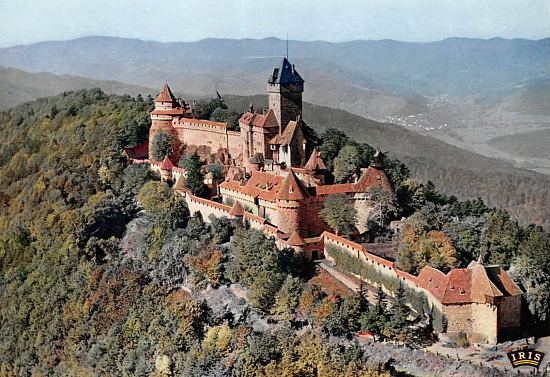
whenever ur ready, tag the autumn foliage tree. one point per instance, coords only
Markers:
(339, 213)
(419, 247)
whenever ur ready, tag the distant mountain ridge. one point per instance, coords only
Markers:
(454, 66)
(17, 86)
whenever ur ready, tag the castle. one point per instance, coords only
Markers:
(265, 162)
(271, 183)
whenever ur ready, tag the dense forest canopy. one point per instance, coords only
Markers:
(104, 271)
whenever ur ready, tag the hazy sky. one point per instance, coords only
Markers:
(27, 21)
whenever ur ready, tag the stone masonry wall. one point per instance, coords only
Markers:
(478, 321)
(509, 312)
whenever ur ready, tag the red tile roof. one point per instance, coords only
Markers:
(267, 120)
(292, 188)
(288, 134)
(176, 111)
(211, 203)
(358, 247)
(166, 164)
(166, 95)
(180, 183)
(365, 334)
(503, 281)
(140, 151)
(406, 275)
(271, 229)
(237, 209)
(251, 216)
(372, 177)
(260, 185)
(476, 283)
(233, 174)
(202, 122)
(295, 239)
(315, 162)
(335, 189)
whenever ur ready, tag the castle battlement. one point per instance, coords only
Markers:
(269, 185)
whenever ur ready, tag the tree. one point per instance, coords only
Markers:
(134, 177)
(354, 306)
(531, 269)
(226, 116)
(217, 171)
(535, 281)
(162, 145)
(257, 266)
(339, 214)
(287, 298)
(466, 236)
(332, 141)
(376, 317)
(167, 269)
(500, 243)
(155, 197)
(194, 179)
(347, 164)
(385, 207)
(221, 228)
(419, 246)
(205, 109)
(207, 265)
(400, 311)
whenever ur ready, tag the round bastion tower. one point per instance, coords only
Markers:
(167, 107)
(291, 200)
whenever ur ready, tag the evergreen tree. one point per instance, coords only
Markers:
(194, 179)
(501, 240)
(161, 145)
(339, 214)
(287, 298)
(332, 141)
(347, 164)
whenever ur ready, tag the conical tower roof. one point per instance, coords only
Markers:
(295, 239)
(292, 188)
(315, 162)
(180, 183)
(166, 95)
(166, 164)
(237, 209)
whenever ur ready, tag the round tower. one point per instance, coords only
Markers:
(289, 212)
(166, 170)
(291, 199)
(162, 117)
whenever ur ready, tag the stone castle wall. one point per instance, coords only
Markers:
(509, 312)
(188, 132)
(206, 207)
(478, 321)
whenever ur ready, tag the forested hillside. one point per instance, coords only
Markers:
(18, 86)
(103, 270)
(82, 296)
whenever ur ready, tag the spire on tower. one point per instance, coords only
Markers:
(287, 46)
(166, 95)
